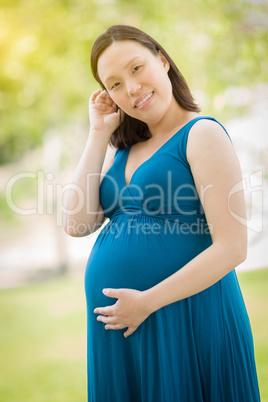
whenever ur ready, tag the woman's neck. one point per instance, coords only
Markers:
(172, 121)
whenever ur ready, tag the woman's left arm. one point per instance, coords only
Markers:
(217, 175)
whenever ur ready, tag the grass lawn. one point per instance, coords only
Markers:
(43, 342)
(43, 338)
(254, 285)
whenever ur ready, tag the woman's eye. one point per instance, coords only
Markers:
(114, 85)
(136, 68)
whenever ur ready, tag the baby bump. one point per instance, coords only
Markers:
(138, 253)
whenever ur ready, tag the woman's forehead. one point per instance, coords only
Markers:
(119, 55)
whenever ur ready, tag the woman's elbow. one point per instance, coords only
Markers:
(233, 250)
(240, 251)
(79, 228)
(244, 252)
(73, 232)
(74, 229)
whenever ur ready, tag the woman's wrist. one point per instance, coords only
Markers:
(149, 301)
(99, 135)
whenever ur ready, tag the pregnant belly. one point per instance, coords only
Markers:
(138, 253)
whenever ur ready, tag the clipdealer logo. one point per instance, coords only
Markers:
(49, 195)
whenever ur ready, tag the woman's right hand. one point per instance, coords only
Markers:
(103, 114)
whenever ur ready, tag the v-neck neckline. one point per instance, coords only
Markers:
(147, 160)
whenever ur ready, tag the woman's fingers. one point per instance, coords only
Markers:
(129, 331)
(105, 97)
(94, 96)
(100, 96)
(109, 310)
(111, 322)
(106, 319)
(114, 326)
(103, 107)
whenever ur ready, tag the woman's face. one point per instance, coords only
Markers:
(137, 80)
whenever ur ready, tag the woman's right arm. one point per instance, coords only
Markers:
(82, 211)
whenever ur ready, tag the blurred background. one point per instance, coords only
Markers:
(221, 48)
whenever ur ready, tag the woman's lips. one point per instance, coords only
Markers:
(142, 99)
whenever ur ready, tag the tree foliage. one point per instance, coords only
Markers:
(45, 55)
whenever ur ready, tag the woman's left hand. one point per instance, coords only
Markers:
(130, 310)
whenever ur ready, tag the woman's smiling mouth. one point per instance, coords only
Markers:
(140, 103)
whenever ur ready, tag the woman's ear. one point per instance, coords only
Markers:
(164, 61)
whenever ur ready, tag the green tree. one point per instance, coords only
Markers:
(45, 55)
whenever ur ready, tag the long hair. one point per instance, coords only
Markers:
(132, 130)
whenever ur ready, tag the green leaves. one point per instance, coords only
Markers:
(45, 55)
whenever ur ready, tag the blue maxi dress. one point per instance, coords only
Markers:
(199, 349)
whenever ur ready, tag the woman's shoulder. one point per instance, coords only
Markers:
(207, 127)
(205, 122)
(205, 133)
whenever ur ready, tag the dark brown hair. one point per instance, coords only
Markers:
(132, 130)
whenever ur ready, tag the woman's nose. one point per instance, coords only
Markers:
(133, 87)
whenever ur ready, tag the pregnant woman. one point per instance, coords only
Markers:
(166, 318)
